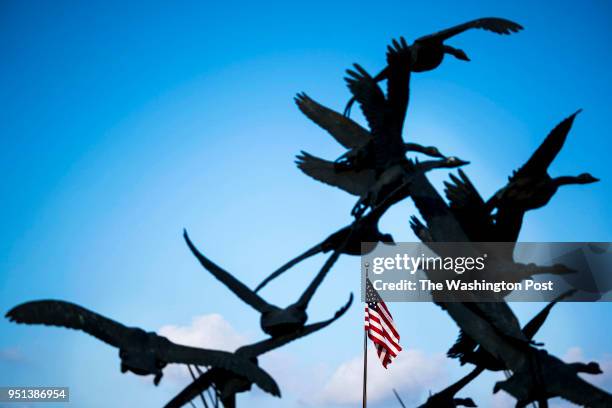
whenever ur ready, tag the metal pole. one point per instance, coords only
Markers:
(365, 368)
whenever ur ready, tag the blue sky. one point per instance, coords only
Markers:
(122, 124)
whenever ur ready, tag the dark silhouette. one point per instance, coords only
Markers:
(470, 210)
(399, 399)
(555, 384)
(468, 351)
(399, 176)
(428, 52)
(530, 187)
(420, 230)
(494, 326)
(375, 168)
(384, 114)
(141, 352)
(446, 397)
(364, 183)
(349, 133)
(274, 320)
(384, 155)
(591, 367)
(228, 383)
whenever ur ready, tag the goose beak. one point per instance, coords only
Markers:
(462, 56)
(456, 52)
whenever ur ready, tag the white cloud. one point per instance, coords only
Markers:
(210, 331)
(11, 354)
(573, 354)
(413, 374)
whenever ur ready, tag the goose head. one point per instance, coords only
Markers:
(456, 52)
(586, 178)
(452, 162)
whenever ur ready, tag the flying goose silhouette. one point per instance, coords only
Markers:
(427, 52)
(274, 321)
(229, 384)
(141, 352)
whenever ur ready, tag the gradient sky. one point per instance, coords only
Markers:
(121, 124)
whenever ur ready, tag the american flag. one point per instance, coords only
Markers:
(380, 327)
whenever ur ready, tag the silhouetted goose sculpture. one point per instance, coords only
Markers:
(385, 153)
(528, 188)
(493, 324)
(446, 398)
(377, 160)
(428, 52)
(364, 183)
(470, 210)
(399, 175)
(526, 391)
(385, 114)
(229, 384)
(141, 352)
(468, 351)
(531, 187)
(274, 320)
(349, 133)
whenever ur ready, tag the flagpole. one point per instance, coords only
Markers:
(365, 368)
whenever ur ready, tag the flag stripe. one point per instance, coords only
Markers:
(381, 325)
(375, 318)
(384, 336)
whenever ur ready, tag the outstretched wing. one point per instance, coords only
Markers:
(353, 182)
(310, 290)
(494, 24)
(256, 349)
(305, 255)
(542, 158)
(388, 142)
(239, 365)
(454, 388)
(420, 229)
(469, 208)
(399, 61)
(370, 97)
(72, 316)
(532, 327)
(345, 130)
(233, 284)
